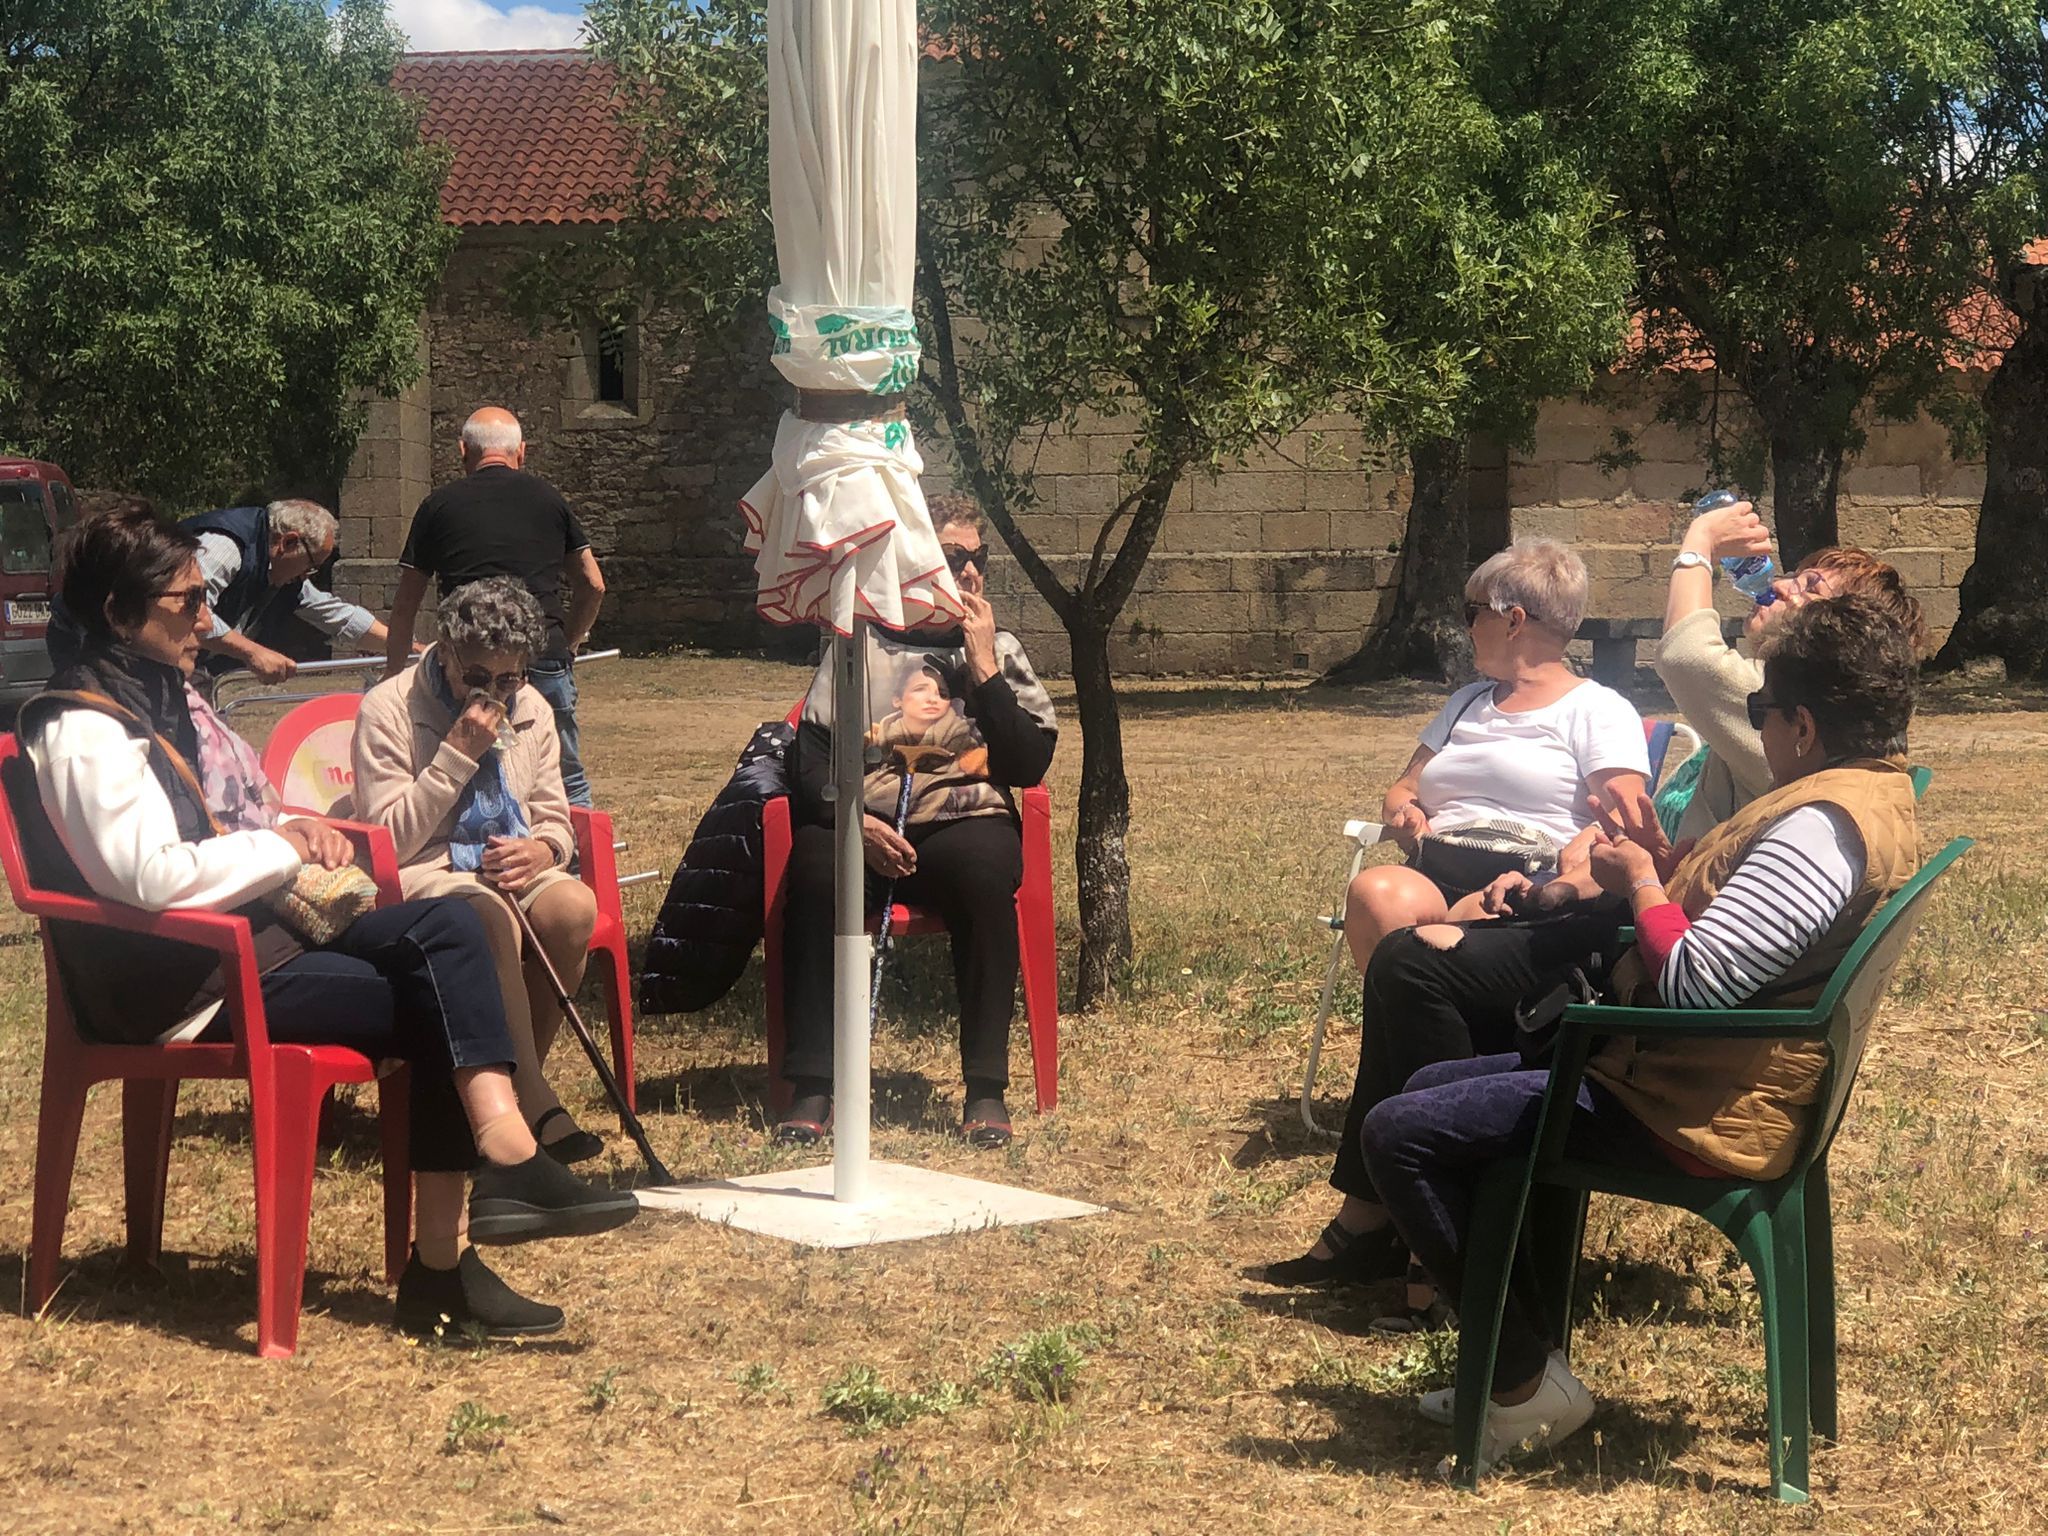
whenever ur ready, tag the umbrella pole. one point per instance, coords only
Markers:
(850, 981)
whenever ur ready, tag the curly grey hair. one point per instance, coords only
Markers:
(496, 614)
(313, 523)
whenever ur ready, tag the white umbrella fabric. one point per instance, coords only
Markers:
(838, 526)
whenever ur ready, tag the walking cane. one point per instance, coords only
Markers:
(627, 1118)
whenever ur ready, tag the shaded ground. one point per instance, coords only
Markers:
(687, 1394)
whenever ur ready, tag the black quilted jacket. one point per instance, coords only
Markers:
(712, 918)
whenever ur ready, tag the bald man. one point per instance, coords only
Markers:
(498, 520)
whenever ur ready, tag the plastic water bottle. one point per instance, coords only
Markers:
(1751, 574)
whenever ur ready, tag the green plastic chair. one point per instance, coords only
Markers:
(1781, 1227)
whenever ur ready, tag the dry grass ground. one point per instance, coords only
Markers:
(690, 1390)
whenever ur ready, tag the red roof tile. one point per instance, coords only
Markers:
(535, 137)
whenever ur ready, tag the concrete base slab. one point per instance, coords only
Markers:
(902, 1204)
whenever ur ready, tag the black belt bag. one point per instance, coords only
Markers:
(1468, 868)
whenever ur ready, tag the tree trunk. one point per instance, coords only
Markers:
(1425, 634)
(1806, 477)
(2004, 596)
(1102, 865)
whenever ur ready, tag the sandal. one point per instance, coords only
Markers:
(1356, 1258)
(1434, 1316)
(985, 1123)
(807, 1122)
(579, 1146)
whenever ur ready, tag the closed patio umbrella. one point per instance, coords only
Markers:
(838, 525)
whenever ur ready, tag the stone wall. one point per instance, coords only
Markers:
(1279, 566)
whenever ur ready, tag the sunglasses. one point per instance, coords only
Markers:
(188, 600)
(958, 559)
(1760, 706)
(1473, 610)
(495, 682)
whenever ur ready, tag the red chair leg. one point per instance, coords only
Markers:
(771, 986)
(63, 1108)
(148, 1105)
(1040, 965)
(284, 1135)
(617, 976)
(394, 1126)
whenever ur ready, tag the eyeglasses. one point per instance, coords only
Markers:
(1473, 610)
(189, 601)
(496, 682)
(958, 559)
(1760, 706)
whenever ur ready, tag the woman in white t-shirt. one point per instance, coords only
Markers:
(1526, 746)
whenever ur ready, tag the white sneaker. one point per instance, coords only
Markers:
(1561, 1406)
(1441, 1406)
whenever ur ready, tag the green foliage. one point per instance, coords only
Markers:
(221, 228)
(473, 1427)
(1043, 1367)
(860, 1398)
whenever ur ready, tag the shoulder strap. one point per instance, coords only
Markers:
(86, 699)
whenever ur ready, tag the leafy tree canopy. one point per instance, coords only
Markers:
(221, 226)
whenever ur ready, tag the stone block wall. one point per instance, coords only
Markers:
(1279, 566)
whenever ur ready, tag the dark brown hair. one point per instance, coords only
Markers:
(1848, 661)
(110, 567)
(1859, 573)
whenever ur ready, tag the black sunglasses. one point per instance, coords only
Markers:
(498, 682)
(958, 559)
(188, 600)
(1760, 706)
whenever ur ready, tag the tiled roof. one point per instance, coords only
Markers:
(534, 134)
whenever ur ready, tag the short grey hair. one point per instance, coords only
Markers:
(490, 436)
(1543, 578)
(495, 614)
(313, 523)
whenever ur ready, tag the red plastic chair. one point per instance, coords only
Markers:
(286, 1084)
(308, 759)
(1038, 959)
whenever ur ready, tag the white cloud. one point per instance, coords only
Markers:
(439, 25)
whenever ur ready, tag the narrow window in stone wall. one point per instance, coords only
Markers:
(614, 370)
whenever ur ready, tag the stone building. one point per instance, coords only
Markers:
(1278, 566)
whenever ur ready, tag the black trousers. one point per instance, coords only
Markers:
(1424, 1005)
(968, 872)
(415, 982)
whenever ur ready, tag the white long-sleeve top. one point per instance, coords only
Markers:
(119, 827)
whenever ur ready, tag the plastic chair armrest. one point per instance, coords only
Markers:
(596, 858)
(374, 843)
(1698, 1023)
(221, 932)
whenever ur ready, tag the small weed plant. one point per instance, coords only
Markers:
(473, 1427)
(1043, 1367)
(859, 1398)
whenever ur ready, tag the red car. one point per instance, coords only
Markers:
(36, 504)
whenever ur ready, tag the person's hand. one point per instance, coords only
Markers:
(317, 842)
(1408, 826)
(978, 634)
(1620, 866)
(271, 666)
(1729, 533)
(1634, 821)
(1505, 893)
(476, 728)
(514, 863)
(888, 851)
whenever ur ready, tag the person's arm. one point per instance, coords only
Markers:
(389, 790)
(271, 666)
(119, 827)
(1726, 533)
(350, 626)
(1785, 894)
(220, 562)
(405, 613)
(586, 595)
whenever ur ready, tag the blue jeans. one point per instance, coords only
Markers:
(416, 982)
(555, 681)
(1426, 1149)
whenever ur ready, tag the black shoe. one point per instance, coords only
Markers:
(540, 1198)
(1356, 1258)
(807, 1121)
(985, 1123)
(579, 1146)
(468, 1301)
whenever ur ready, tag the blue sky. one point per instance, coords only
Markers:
(460, 24)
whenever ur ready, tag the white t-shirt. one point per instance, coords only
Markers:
(1528, 765)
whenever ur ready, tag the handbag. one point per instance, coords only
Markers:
(1470, 858)
(320, 904)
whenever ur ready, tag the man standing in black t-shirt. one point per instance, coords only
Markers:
(498, 520)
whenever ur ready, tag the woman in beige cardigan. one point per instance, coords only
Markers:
(460, 760)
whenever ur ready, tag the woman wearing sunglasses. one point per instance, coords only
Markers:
(459, 758)
(130, 806)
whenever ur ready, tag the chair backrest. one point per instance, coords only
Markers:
(16, 778)
(308, 758)
(1856, 990)
(1657, 737)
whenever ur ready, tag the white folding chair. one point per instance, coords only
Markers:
(1362, 835)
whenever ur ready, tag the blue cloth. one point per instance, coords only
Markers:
(555, 681)
(487, 808)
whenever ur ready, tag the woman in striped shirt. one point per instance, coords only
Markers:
(1759, 912)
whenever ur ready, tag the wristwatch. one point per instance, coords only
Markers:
(1691, 560)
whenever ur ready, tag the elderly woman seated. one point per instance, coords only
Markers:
(459, 758)
(147, 798)
(1758, 912)
(1518, 754)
